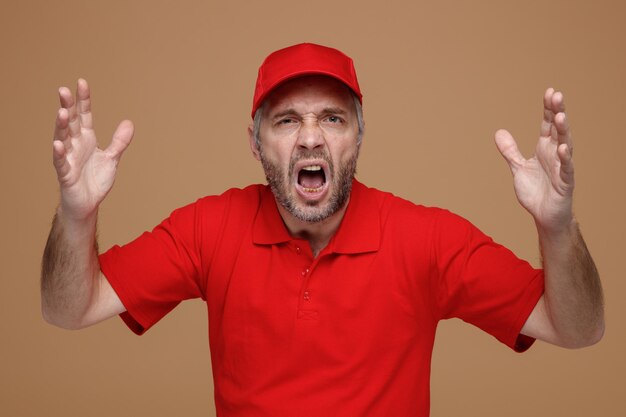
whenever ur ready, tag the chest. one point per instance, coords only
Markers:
(276, 300)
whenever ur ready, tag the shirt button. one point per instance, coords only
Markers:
(307, 296)
(305, 272)
(298, 250)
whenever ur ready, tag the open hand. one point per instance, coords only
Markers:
(85, 172)
(544, 183)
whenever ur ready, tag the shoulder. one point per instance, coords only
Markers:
(404, 218)
(232, 199)
(236, 196)
(237, 203)
(397, 210)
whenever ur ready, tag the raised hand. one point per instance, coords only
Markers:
(544, 183)
(85, 172)
(74, 292)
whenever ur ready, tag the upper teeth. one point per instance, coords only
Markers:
(312, 168)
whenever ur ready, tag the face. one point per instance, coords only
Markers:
(308, 146)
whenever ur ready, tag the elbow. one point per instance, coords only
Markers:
(58, 320)
(587, 338)
(63, 324)
(597, 334)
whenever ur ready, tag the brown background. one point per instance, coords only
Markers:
(438, 80)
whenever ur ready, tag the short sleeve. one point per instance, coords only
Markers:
(482, 282)
(158, 270)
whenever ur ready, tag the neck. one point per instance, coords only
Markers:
(318, 234)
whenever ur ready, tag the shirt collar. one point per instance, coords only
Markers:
(359, 231)
(268, 228)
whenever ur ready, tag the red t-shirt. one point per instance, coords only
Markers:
(349, 333)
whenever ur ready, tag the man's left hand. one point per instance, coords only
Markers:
(544, 183)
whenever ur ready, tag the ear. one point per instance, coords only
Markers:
(253, 145)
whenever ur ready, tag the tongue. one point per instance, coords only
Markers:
(311, 179)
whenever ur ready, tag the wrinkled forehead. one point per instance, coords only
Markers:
(309, 92)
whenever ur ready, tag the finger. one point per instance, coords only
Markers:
(558, 103)
(548, 114)
(509, 150)
(67, 102)
(563, 131)
(554, 135)
(61, 129)
(121, 139)
(60, 125)
(65, 97)
(59, 159)
(83, 98)
(566, 172)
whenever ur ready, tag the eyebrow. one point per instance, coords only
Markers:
(325, 110)
(285, 112)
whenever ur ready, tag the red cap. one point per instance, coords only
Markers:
(303, 59)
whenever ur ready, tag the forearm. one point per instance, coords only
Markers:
(573, 292)
(70, 270)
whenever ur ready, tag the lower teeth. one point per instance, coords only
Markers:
(312, 190)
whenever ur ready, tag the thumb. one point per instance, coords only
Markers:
(509, 150)
(121, 139)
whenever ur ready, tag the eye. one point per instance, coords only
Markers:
(334, 119)
(285, 121)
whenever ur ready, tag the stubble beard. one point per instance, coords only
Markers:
(312, 211)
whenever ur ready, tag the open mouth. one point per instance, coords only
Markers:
(312, 179)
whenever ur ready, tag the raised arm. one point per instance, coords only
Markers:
(74, 293)
(571, 311)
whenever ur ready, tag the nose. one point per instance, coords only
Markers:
(310, 135)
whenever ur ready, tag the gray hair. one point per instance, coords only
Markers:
(258, 115)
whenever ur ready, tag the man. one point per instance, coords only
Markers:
(323, 295)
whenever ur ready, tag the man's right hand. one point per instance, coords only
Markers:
(74, 292)
(85, 172)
